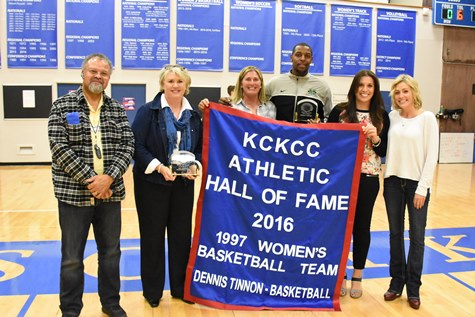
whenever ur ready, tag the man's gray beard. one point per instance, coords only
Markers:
(95, 88)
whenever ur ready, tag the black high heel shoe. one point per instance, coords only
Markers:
(153, 302)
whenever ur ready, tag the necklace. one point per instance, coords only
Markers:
(97, 149)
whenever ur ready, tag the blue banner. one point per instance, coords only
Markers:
(275, 212)
(89, 29)
(145, 34)
(32, 40)
(303, 22)
(350, 48)
(395, 46)
(200, 34)
(252, 35)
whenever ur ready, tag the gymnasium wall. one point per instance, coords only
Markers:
(25, 140)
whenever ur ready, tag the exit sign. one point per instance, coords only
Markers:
(454, 12)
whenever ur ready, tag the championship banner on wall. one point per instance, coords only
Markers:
(275, 213)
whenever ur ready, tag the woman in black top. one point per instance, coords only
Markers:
(365, 105)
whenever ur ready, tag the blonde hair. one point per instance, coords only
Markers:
(178, 70)
(237, 93)
(412, 83)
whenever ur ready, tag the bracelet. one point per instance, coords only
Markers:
(377, 143)
(159, 168)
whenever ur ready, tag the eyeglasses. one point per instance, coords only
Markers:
(170, 66)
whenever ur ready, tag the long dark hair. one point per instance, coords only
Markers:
(376, 107)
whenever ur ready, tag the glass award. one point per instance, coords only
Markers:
(305, 110)
(181, 161)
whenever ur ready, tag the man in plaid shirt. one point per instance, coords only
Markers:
(91, 144)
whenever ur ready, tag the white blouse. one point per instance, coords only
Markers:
(413, 148)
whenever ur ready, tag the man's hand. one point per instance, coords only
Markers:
(99, 186)
(225, 101)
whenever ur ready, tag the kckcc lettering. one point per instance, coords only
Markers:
(286, 146)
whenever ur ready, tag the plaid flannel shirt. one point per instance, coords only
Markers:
(69, 133)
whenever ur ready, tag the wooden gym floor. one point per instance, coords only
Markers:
(29, 255)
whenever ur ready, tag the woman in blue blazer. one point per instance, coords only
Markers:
(163, 199)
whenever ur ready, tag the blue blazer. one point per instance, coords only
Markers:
(151, 139)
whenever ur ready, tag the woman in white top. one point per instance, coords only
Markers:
(411, 159)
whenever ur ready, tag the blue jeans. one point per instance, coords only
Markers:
(399, 193)
(75, 223)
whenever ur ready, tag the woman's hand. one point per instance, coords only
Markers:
(166, 172)
(193, 172)
(204, 103)
(370, 131)
(419, 201)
